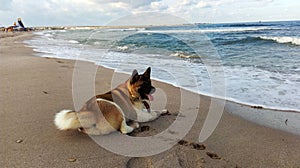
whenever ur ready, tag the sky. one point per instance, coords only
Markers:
(141, 12)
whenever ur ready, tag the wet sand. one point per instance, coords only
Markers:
(33, 89)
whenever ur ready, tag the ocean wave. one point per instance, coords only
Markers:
(137, 29)
(260, 89)
(82, 28)
(48, 35)
(44, 33)
(236, 41)
(214, 30)
(184, 55)
(292, 40)
(73, 41)
(122, 48)
(246, 25)
(249, 39)
(123, 29)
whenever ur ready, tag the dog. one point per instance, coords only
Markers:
(109, 112)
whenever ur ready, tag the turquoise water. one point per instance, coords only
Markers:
(259, 62)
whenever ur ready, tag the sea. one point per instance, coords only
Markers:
(256, 63)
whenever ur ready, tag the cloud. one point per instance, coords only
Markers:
(101, 12)
(158, 6)
(148, 18)
(203, 4)
(66, 12)
(5, 5)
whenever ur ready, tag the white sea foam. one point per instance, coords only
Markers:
(48, 35)
(123, 29)
(183, 55)
(244, 84)
(137, 29)
(283, 39)
(73, 41)
(82, 28)
(122, 48)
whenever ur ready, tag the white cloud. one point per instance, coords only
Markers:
(121, 5)
(148, 18)
(203, 4)
(100, 12)
(158, 6)
(5, 4)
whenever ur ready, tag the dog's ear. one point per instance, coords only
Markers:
(147, 72)
(134, 77)
(134, 72)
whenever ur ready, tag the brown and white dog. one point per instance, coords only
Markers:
(111, 111)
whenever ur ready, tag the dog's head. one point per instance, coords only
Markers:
(140, 85)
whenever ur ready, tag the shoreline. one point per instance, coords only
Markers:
(264, 111)
(242, 102)
(35, 88)
(234, 105)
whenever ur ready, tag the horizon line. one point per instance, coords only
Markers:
(137, 26)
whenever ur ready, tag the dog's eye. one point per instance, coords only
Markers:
(94, 125)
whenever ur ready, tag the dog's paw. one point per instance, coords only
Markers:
(82, 130)
(165, 112)
(135, 125)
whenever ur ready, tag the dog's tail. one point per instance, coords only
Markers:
(67, 119)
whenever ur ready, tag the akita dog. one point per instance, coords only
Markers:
(108, 112)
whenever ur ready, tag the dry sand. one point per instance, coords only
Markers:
(33, 89)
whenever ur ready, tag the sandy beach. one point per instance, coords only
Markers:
(33, 89)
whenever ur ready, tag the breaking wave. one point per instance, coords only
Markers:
(291, 40)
